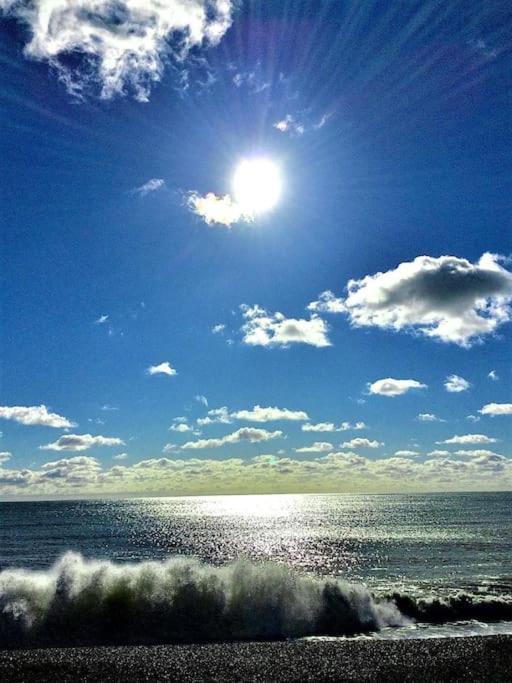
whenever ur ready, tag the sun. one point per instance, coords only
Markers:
(257, 185)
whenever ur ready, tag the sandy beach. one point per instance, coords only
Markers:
(486, 658)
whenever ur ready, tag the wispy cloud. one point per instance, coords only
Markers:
(149, 186)
(290, 125)
(102, 319)
(296, 125)
(252, 79)
(35, 415)
(122, 46)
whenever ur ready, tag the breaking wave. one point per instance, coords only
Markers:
(83, 602)
(93, 602)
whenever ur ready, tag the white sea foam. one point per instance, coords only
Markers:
(96, 601)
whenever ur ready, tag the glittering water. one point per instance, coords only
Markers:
(459, 539)
(417, 545)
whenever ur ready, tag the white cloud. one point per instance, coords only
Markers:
(496, 409)
(5, 456)
(473, 418)
(317, 447)
(101, 320)
(331, 427)
(323, 120)
(447, 298)
(218, 210)
(343, 471)
(429, 417)
(319, 427)
(149, 186)
(478, 453)
(108, 408)
(394, 387)
(493, 375)
(347, 426)
(81, 442)
(35, 415)
(439, 454)
(289, 125)
(214, 416)
(295, 127)
(123, 44)
(328, 302)
(260, 414)
(469, 438)
(250, 434)
(218, 329)
(202, 400)
(274, 329)
(180, 427)
(359, 442)
(455, 384)
(162, 369)
(405, 454)
(120, 456)
(75, 471)
(484, 49)
(253, 80)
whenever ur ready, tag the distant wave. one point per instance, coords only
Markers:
(459, 607)
(82, 602)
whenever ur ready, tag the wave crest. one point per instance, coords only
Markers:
(452, 608)
(86, 602)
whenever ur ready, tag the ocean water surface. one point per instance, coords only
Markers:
(229, 567)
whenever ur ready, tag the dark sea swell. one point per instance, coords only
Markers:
(92, 602)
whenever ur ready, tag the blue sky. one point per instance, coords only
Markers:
(391, 129)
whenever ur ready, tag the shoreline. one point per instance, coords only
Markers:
(474, 658)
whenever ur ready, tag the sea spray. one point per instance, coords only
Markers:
(85, 602)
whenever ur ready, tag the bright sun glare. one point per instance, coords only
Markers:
(257, 185)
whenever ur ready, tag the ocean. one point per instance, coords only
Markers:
(226, 568)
